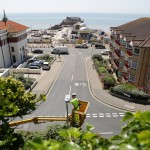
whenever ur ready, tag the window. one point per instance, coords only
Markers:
(121, 64)
(131, 78)
(136, 51)
(148, 76)
(12, 49)
(128, 46)
(14, 58)
(119, 74)
(122, 53)
(134, 64)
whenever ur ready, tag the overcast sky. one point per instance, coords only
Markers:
(106, 6)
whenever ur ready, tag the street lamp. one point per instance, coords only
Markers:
(67, 97)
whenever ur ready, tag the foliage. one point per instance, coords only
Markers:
(102, 70)
(109, 81)
(27, 82)
(98, 57)
(135, 135)
(46, 57)
(132, 91)
(98, 63)
(13, 102)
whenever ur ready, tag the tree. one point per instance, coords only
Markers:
(14, 102)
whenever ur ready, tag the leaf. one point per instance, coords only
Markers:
(144, 136)
(70, 146)
(88, 135)
(127, 116)
(89, 127)
(74, 132)
(63, 133)
(143, 116)
(127, 147)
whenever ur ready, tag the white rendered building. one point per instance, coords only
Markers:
(13, 40)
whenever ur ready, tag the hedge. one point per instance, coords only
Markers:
(130, 91)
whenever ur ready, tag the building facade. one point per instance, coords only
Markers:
(131, 53)
(13, 40)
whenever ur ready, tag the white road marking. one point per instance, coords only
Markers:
(115, 115)
(69, 90)
(72, 78)
(128, 106)
(101, 116)
(94, 114)
(105, 133)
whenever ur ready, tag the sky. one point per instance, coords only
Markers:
(91, 6)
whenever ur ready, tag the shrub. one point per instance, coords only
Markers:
(46, 57)
(102, 70)
(98, 57)
(98, 64)
(109, 81)
(131, 91)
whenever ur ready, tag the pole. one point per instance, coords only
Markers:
(67, 113)
(67, 97)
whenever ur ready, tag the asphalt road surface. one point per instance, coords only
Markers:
(73, 79)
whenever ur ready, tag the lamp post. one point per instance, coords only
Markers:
(67, 97)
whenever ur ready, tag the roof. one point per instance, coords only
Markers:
(12, 27)
(139, 28)
(146, 43)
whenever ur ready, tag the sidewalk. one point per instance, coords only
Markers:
(104, 96)
(45, 82)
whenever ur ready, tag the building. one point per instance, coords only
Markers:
(131, 53)
(13, 40)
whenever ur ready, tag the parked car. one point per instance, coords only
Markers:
(81, 46)
(41, 61)
(46, 66)
(60, 50)
(34, 64)
(99, 46)
(37, 51)
(34, 67)
(105, 52)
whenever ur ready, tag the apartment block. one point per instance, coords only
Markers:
(130, 57)
(13, 40)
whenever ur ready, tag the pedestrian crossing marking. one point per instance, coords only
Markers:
(102, 115)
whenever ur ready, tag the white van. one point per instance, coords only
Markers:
(46, 66)
(60, 50)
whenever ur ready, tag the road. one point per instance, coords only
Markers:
(73, 78)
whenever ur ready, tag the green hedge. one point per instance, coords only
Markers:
(130, 91)
(102, 70)
(109, 81)
(98, 57)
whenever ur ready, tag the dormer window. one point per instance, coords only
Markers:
(136, 51)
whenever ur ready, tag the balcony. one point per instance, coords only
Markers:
(116, 62)
(127, 64)
(125, 76)
(117, 52)
(129, 52)
(117, 42)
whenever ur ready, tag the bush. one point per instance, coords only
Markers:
(98, 63)
(98, 57)
(131, 91)
(102, 70)
(27, 82)
(46, 57)
(109, 81)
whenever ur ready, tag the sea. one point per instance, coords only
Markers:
(100, 21)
